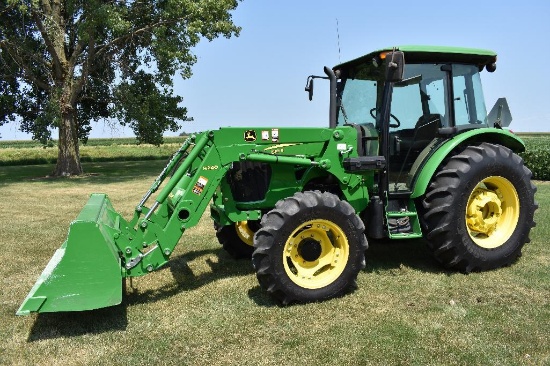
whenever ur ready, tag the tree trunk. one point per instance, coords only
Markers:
(68, 157)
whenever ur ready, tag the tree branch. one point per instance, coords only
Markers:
(105, 48)
(20, 61)
(48, 41)
(86, 67)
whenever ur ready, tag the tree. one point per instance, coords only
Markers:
(65, 63)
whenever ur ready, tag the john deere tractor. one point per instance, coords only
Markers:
(409, 152)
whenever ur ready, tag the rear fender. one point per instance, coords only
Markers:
(492, 135)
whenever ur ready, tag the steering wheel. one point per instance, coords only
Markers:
(395, 125)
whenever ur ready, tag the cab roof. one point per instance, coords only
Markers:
(438, 54)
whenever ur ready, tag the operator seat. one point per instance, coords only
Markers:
(425, 131)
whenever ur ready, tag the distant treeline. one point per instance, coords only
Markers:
(91, 142)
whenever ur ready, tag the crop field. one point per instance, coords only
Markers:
(537, 154)
(204, 308)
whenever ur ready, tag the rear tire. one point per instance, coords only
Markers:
(310, 247)
(478, 210)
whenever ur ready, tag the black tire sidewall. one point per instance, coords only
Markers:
(502, 163)
(352, 265)
(279, 224)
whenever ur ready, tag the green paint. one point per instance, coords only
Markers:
(85, 273)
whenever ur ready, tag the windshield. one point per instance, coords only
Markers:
(422, 93)
(358, 94)
(358, 100)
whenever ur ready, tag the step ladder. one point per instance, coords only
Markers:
(403, 225)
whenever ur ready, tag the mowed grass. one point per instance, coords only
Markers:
(205, 308)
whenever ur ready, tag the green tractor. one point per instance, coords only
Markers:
(409, 152)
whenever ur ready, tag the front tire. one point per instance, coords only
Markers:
(478, 210)
(310, 247)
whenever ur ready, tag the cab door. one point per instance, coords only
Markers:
(419, 108)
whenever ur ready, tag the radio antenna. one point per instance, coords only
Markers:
(338, 35)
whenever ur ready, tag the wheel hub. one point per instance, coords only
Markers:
(316, 253)
(310, 249)
(484, 211)
(492, 212)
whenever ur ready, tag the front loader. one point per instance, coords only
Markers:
(409, 152)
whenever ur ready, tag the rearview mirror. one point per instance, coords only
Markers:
(394, 66)
(309, 88)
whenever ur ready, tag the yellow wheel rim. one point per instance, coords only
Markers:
(244, 232)
(316, 254)
(492, 212)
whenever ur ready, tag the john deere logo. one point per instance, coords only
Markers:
(250, 136)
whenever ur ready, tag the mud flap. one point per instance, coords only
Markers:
(85, 273)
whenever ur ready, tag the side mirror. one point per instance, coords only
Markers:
(394, 66)
(309, 88)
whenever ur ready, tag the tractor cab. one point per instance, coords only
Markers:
(438, 95)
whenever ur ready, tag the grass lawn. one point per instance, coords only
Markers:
(205, 308)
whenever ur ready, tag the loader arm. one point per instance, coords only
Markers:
(155, 231)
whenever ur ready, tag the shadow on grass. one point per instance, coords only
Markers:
(381, 256)
(72, 324)
(186, 280)
(384, 255)
(262, 298)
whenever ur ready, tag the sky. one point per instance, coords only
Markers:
(258, 78)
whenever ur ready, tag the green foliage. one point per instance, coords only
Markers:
(537, 155)
(79, 61)
(146, 109)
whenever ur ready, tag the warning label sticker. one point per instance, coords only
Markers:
(199, 186)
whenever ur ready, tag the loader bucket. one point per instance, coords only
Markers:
(85, 273)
